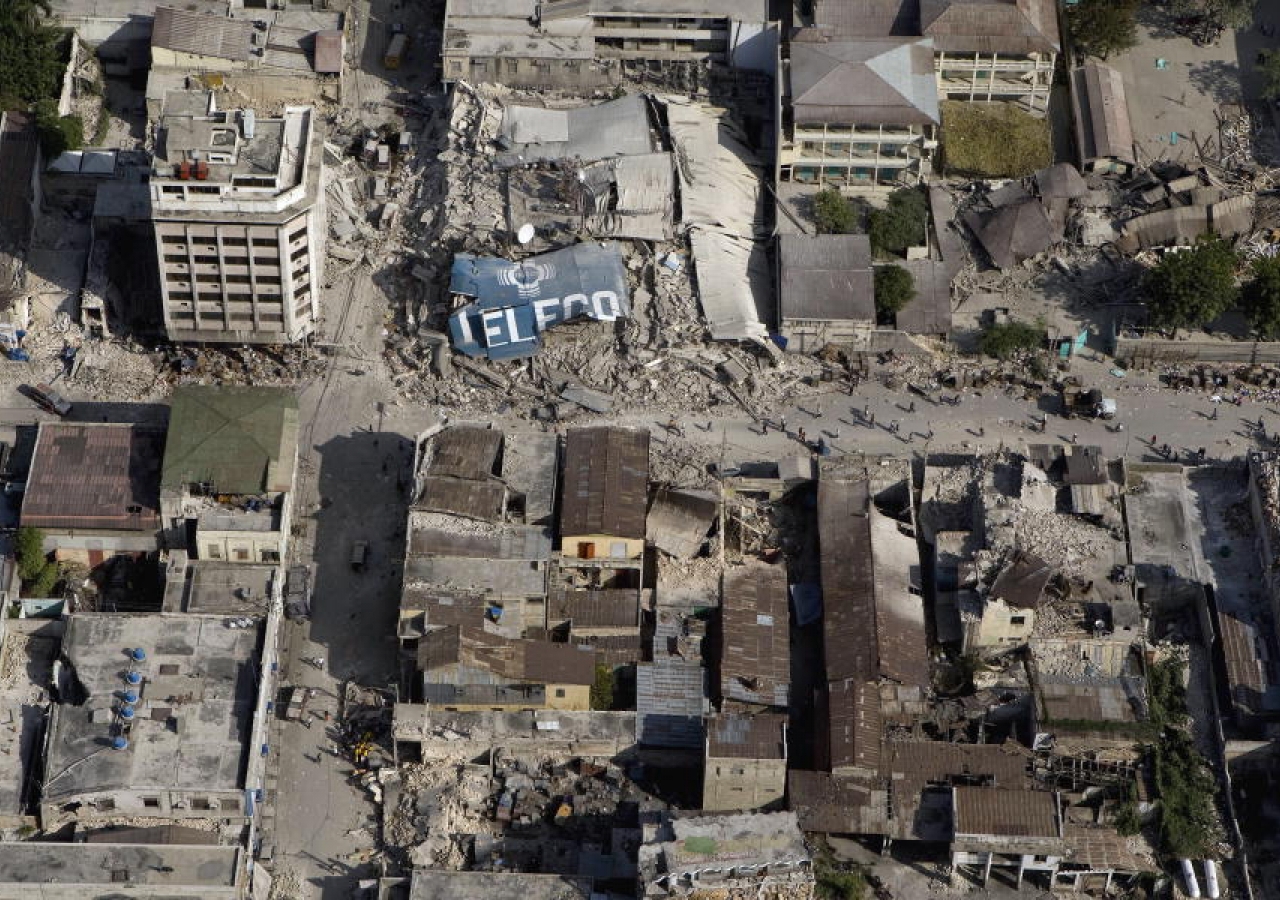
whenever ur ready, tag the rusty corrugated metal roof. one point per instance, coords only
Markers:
(465, 451)
(328, 53)
(995, 812)
(856, 727)
(95, 477)
(755, 653)
(850, 646)
(606, 482)
(201, 34)
(607, 608)
(1013, 27)
(733, 736)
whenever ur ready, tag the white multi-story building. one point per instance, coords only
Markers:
(239, 222)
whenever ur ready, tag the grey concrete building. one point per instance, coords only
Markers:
(746, 762)
(153, 719)
(239, 225)
(586, 44)
(99, 871)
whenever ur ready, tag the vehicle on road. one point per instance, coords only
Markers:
(359, 555)
(297, 593)
(46, 398)
(395, 51)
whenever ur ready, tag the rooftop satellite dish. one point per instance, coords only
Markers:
(525, 234)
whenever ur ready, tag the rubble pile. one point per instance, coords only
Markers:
(425, 806)
(1068, 543)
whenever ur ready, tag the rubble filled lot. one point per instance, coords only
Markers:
(516, 814)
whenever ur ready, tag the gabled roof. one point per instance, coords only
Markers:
(242, 440)
(826, 276)
(1013, 233)
(885, 81)
(201, 34)
(1014, 27)
(868, 18)
(1103, 128)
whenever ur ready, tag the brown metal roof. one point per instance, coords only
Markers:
(611, 649)
(868, 18)
(484, 500)
(1013, 233)
(1103, 128)
(608, 608)
(732, 736)
(1245, 678)
(1014, 27)
(328, 58)
(850, 647)
(95, 477)
(606, 482)
(465, 451)
(856, 727)
(755, 653)
(936, 762)
(443, 606)
(201, 34)
(550, 663)
(984, 811)
(1022, 582)
(826, 277)
(539, 662)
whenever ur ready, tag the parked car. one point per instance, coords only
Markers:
(297, 593)
(46, 398)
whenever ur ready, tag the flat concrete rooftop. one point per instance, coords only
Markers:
(191, 724)
(116, 870)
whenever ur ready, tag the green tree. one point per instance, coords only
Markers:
(45, 582)
(31, 58)
(58, 134)
(895, 288)
(1269, 69)
(1103, 27)
(1226, 13)
(1260, 297)
(29, 550)
(833, 213)
(901, 224)
(1004, 340)
(1193, 287)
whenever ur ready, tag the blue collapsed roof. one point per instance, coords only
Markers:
(512, 302)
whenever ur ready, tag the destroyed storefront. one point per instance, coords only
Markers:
(508, 304)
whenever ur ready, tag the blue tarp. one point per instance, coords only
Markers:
(512, 302)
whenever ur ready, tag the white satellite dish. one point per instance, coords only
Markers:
(525, 234)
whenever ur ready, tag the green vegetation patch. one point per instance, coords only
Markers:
(993, 140)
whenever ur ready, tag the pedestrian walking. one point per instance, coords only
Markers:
(1214, 415)
(912, 407)
(800, 435)
(872, 420)
(866, 413)
(1166, 450)
(783, 424)
(982, 432)
(1075, 438)
(1153, 441)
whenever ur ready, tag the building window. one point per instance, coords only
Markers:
(240, 554)
(214, 551)
(270, 556)
(151, 802)
(560, 693)
(1017, 620)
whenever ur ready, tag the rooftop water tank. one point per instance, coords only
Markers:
(126, 712)
(137, 654)
(119, 742)
(130, 696)
(133, 677)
